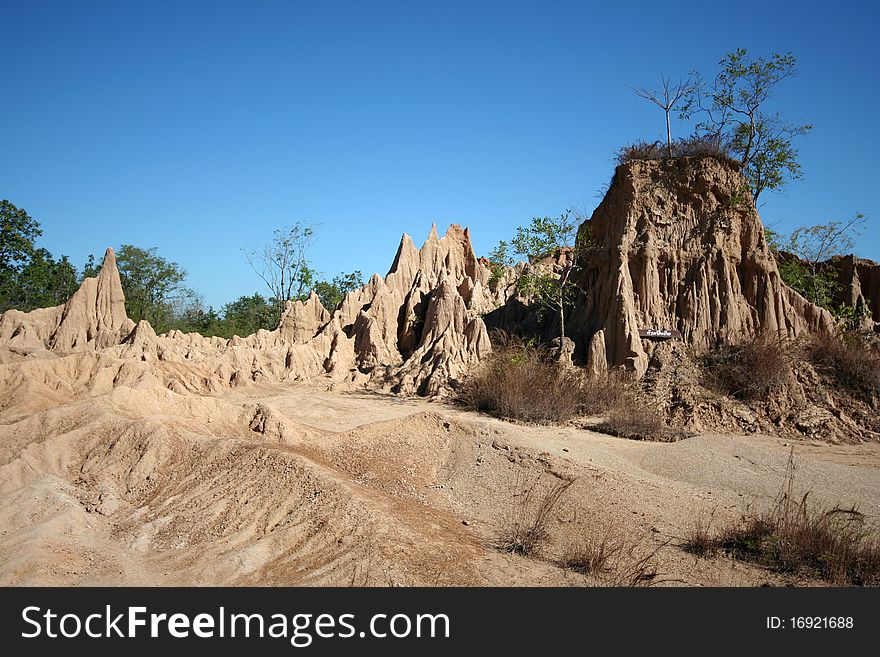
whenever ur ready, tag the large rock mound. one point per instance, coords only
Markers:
(678, 245)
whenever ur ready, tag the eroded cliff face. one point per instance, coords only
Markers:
(417, 330)
(678, 245)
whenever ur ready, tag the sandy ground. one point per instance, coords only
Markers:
(285, 485)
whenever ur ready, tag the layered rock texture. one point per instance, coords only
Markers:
(678, 245)
(418, 330)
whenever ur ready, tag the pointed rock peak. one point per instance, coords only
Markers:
(406, 253)
(109, 257)
(143, 330)
(432, 236)
(109, 268)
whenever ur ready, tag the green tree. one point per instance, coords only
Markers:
(151, 285)
(44, 281)
(90, 269)
(247, 314)
(331, 293)
(30, 277)
(732, 110)
(542, 238)
(18, 235)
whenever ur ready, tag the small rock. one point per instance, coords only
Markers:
(465, 523)
(565, 449)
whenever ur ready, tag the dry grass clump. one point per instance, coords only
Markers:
(750, 370)
(794, 537)
(849, 360)
(695, 146)
(526, 527)
(699, 539)
(521, 382)
(635, 421)
(612, 558)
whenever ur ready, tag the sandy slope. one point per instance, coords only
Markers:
(300, 485)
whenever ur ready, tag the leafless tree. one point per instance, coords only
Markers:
(283, 263)
(666, 97)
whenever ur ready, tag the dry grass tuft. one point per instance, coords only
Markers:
(635, 421)
(699, 540)
(849, 361)
(612, 558)
(695, 146)
(526, 527)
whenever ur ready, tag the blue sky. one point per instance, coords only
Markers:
(198, 127)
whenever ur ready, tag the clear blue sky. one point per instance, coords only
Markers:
(198, 127)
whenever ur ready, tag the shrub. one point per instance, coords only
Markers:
(526, 527)
(848, 360)
(520, 382)
(750, 370)
(795, 537)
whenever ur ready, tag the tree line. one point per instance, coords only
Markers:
(155, 287)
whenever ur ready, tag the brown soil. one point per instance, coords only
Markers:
(281, 484)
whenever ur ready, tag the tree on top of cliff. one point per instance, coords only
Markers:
(732, 108)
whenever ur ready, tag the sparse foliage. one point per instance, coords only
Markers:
(849, 361)
(667, 96)
(813, 245)
(796, 537)
(732, 109)
(283, 263)
(749, 370)
(520, 382)
(697, 146)
(636, 421)
(611, 557)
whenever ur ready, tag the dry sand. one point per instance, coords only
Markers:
(280, 484)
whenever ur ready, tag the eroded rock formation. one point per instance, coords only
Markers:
(93, 318)
(678, 245)
(417, 330)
